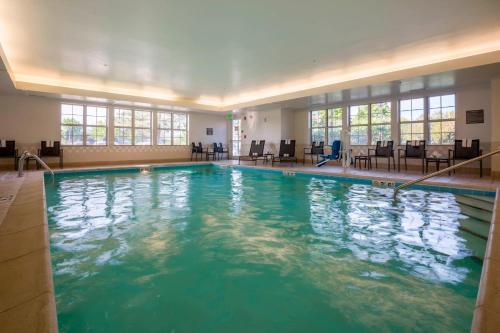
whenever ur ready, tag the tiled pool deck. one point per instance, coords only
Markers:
(27, 301)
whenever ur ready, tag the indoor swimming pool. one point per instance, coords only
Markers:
(228, 249)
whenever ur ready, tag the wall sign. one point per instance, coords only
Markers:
(474, 117)
(210, 131)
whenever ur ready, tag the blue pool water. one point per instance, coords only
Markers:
(209, 249)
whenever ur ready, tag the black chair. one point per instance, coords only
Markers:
(413, 150)
(221, 151)
(10, 151)
(314, 150)
(196, 150)
(384, 149)
(53, 151)
(461, 152)
(286, 153)
(256, 152)
(212, 152)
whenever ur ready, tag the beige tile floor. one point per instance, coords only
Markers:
(26, 292)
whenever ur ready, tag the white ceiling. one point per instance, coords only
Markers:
(227, 52)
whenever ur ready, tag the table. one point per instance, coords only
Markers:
(268, 157)
(436, 159)
(365, 158)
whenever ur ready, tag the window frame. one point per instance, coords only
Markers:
(440, 120)
(135, 127)
(368, 127)
(326, 128)
(412, 122)
(372, 124)
(84, 125)
(333, 127)
(172, 128)
(131, 127)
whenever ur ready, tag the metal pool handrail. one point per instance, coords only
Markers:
(453, 167)
(27, 154)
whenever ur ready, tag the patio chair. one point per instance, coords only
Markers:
(256, 152)
(334, 156)
(465, 151)
(51, 149)
(384, 149)
(286, 153)
(414, 150)
(212, 152)
(196, 150)
(314, 150)
(8, 150)
(221, 151)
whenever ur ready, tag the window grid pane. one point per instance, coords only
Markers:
(411, 117)
(142, 127)
(442, 119)
(72, 124)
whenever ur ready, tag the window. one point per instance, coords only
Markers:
(142, 127)
(71, 124)
(411, 117)
(172, 128)
(164, 128)
(180, 129)
(96, 125)
(358, 119)
(236, 137)
(334, 118)
(380, 122)
(123, 127)
(318, 125)
(442, 119)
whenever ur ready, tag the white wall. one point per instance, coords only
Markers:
(30, 119)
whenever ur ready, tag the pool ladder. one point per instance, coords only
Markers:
(26, 155)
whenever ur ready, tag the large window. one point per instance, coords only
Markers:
(380, 122)
(96, 125)
(123, 126)
(442, 119)
(142, 127)
(72, 124)
(83, 124)
(318, 125)
(172, 128)
(334, 117)
(358, 119)
(411, 117)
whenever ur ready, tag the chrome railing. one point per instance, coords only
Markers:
(26, 155)
(448, 169)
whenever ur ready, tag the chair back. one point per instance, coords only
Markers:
(336, 145)
(50, 151)
(412, 150)
(194, 149)
(260, 148)
(9, 150)
(462, 152)
(253, 148)
(221, 148)
(216, 148)
(319, 149)
(384, 149)
(287, 148)
(200, 147)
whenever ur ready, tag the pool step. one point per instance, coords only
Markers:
(475, 227)
(475, 201)
(477, 213)
(476, 244)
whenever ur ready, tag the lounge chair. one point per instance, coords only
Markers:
(384, 149)
(221, 151)
(196, 150)
(334, 156)
(51, 149)
(470, 150)
(314, 150)
(8, 150)
(413, 150)
(256, 152)
(286, 153)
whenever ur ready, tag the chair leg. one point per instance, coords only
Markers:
(389, 164)
(406, 164)
(480, 168)
(393, 163)
(423, 166)
(376, 163)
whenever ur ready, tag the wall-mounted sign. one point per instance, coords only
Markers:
(474, 116)
(210, 131)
